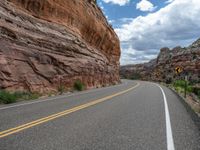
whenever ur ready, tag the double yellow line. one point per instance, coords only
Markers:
(60, 114)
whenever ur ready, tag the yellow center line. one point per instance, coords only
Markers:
(60, 114)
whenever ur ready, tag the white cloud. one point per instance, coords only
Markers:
(101, 5)
(169, 1)
(133, 56)
(111, 21)
(118, 2)
(145, 5)
(125, 20)
(176, 24)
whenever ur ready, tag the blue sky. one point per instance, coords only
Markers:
(145, 26)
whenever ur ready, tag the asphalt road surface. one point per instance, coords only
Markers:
(134, 115)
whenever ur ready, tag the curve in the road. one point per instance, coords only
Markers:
(60, 114)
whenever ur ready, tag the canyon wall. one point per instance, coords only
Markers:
(48, 43)
(163, 68)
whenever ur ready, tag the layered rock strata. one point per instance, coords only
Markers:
(48, 43)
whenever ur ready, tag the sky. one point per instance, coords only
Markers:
(145, 26)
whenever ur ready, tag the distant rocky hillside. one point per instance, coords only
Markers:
(46, 43)
(163, 67)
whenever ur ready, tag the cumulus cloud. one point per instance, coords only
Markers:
(134, 56)
(145, 5)
(176, 24)
(118, 2)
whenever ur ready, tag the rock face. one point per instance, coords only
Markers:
(46, 43)
(163, 68)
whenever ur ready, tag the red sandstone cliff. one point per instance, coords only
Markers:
(45, 42)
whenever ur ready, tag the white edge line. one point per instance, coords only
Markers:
(170, 141)
(57, 97)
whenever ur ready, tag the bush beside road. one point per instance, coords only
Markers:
(192, 93)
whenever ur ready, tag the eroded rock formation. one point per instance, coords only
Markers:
(163, 67)
(45, 43)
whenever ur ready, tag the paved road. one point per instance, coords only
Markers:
(131, 116)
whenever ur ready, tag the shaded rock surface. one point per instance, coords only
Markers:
(163, 67)
(46, 43)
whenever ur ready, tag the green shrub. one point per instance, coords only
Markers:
(26, 95)
(189, 89)
(179, 89)
(78, 85)
(32, 96)
(61, 89)
(19, 94)
(196, 91)
(179, 83)
(7, 97)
